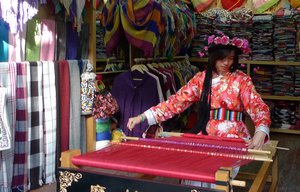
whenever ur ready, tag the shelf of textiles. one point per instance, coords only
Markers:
(278, 82)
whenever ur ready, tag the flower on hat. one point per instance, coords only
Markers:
(221, 39)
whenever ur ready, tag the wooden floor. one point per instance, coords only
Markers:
(289, 165)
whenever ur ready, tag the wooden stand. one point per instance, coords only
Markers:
(268, 172)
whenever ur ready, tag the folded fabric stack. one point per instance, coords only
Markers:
(262, 41)
(283, 82)
(100, 47)
(103, 133)
(283, 115)
(297, 23)
(284, 36)
(204, 29)
(297, 81)
(262, 79)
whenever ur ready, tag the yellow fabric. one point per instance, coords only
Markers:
(144, 35)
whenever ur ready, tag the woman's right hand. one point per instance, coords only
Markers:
(133, 121)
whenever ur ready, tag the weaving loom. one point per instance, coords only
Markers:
(190, 157)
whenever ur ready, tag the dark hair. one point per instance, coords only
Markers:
(216, 53)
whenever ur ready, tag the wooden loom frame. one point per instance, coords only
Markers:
(267, 173)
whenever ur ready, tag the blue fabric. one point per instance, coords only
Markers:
(3, 41)
(103, 136)
(72, 42)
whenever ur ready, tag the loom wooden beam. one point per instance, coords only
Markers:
(66, 158)
(222, 177)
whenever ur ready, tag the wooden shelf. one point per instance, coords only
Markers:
(289, 131)
(253, 62)
(286, 98)
(110, 59)
(110, 72)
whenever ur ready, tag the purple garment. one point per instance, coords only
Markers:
(134, 97)
(72, 42)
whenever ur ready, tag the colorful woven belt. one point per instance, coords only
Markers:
(225, 114)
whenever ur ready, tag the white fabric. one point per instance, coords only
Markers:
(150, 117)
(5, 135)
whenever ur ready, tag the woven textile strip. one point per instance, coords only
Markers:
(75, 105)
(35, 124)
(49, 123)
(8, 80)
(224, 114)
(19, 182)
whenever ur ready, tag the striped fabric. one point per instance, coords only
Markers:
(224, 114)
(35, 124)
(142, 23)
(8, 80)
(20, 162)
(49, 123)
(111, 21)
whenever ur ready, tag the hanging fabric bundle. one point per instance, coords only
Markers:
(87, 90)
(142, 23)
(110, 19)
(104, 105)
(5, 136)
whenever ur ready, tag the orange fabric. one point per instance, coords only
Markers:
(295, 3)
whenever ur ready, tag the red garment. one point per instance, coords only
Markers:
(235, 91)
(64, 86)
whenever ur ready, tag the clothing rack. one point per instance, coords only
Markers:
(159, 59)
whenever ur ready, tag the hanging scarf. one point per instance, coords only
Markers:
(21, 133)
(8, 80)
(16, 49)
(50, 121)
(110, 19)
(48, 40)
(35, 124)
(33, 40)
(142, 23)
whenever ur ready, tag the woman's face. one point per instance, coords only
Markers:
(223, 65)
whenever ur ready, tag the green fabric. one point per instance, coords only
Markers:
(102, 126)
(266, 6)
(33, 40)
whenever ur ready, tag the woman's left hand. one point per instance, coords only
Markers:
(257, 141)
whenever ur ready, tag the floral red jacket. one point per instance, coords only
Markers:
(233, 91)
